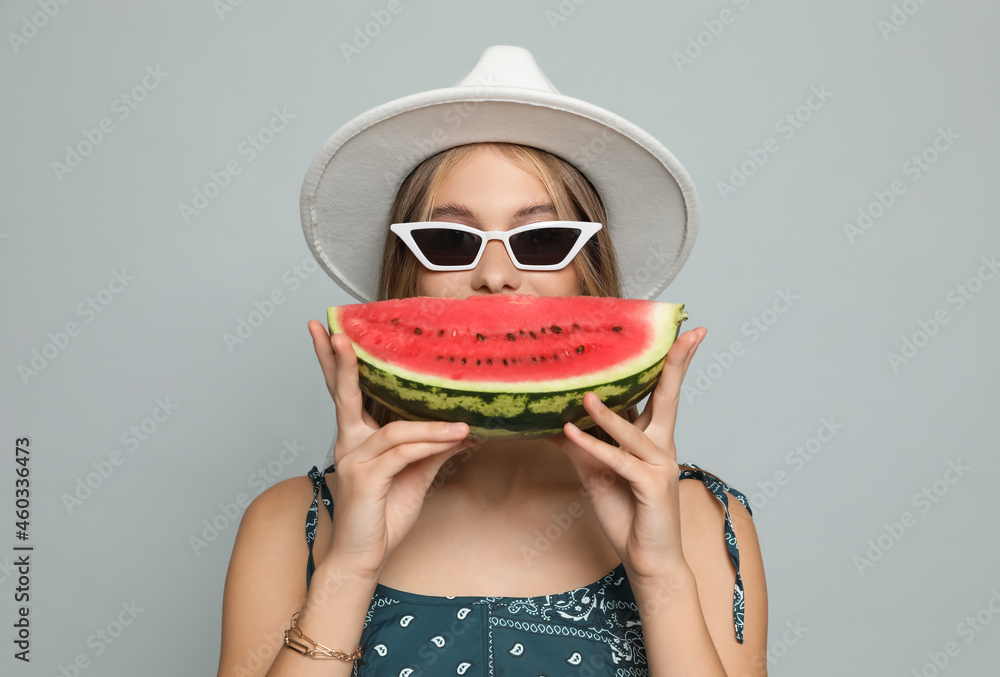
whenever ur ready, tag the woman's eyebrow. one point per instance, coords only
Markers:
(535, 209)
(463, 212)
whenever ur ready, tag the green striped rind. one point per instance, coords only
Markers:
(537, 409)
(521, 415)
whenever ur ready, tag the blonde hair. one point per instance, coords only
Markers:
(574, 199)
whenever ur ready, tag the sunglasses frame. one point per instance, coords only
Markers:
(404, 230)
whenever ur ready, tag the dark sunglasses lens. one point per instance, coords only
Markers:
(544, 246)
(446, 246)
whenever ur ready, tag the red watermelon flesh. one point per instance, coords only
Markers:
(502, 337)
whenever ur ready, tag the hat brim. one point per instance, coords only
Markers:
(651, 203)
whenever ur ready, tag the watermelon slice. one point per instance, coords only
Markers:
(509, 365)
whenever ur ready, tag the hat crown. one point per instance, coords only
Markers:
(507, 66)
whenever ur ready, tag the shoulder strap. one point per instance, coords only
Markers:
(719, 489)
(312, 517)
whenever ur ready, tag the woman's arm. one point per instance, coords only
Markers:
(266, 584)
(687, 620)
(382, 477)
(671, 537)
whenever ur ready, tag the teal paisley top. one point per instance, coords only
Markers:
(588, 632)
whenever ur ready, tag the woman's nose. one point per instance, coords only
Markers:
(495, 271)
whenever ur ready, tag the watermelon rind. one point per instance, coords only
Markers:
(536, 410)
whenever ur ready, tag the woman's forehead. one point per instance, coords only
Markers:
(462, 211)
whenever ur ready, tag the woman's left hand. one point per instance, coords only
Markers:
(635, 492)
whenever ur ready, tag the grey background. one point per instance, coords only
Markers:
(825, 357)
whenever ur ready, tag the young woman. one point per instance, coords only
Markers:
(583, 554)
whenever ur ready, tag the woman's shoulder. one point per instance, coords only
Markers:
(710, 496)
(703, 508)
(266, 579)
(282, 504)
(283, 496)
(271, 550)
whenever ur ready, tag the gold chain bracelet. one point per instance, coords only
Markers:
(317, 651)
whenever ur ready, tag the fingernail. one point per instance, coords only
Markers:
(455, 427)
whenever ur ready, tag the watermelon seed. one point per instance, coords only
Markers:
(510, 337)
(395, 320)
(534, 361)
(417, 331)
(543, 358)
(522, 332)
(451, 359)
(454, 332)
(556, 329)
(554, 356)
(440, 357)
(579, 349)
(576, 326)
(543, 330)
(478, 362)
(440, 332)
(463, 360)
(532, 334)
(567, 353)
(480, 337)
(489, 361)
(616, 328)
(505, 363)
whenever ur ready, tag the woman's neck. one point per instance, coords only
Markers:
(500, 471)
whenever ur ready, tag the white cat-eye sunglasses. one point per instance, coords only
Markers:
(546, 245)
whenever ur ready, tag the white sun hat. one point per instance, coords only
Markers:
(650, 200)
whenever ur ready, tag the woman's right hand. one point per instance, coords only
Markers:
(382, 474)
